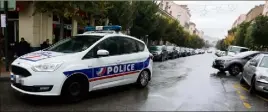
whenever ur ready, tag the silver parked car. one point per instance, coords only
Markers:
(255, 73)
(234, 64)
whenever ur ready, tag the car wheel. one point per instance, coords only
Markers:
(235, 70)
(143, 79)
(74, 90)
(242, 80)
(252, 89)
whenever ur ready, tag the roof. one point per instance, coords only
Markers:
(238, 46)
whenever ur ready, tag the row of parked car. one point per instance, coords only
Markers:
(162, 52)
(252, 64)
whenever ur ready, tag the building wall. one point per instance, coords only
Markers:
(239, 20)
(254, 12)
(265, 9)
(180, 12)
(35, 28)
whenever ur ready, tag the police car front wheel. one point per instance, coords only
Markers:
(143, 79)
(75, 89)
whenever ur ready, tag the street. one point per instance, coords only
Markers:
(183, 84)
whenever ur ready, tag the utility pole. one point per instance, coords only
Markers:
(6, 35)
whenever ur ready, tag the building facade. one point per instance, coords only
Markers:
(254, 12)
(265, 9)
(239, 20)
(179, 12)
(34, 28)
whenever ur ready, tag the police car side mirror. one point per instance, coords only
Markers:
(102, 52)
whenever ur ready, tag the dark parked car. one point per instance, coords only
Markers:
(180, 52)
(172, 52)
(160, 53)
(183, 52)
(234, 64)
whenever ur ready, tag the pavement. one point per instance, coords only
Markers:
(183, 84)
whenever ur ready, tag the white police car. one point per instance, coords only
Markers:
(94, 60)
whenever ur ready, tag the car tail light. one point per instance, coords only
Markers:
(151, 56)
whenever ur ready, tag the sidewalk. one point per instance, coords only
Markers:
(4, 76)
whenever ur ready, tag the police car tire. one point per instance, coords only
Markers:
(74, 98)
(139, 82)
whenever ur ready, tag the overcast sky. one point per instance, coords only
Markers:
(215, 18)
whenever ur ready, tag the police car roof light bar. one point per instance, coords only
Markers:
(116, 28)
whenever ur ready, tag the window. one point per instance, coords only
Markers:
(109, 44)
(127, 45)
(74, 44)
(264, 62)
(140, 46)
(170, 12)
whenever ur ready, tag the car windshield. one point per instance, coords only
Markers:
(155, 48)
(74, 44)
(237, 49)
(244, 54)
(264, 62)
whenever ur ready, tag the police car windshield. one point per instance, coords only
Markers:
(74, 44)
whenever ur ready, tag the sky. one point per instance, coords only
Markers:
(215, 18)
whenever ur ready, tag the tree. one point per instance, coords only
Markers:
(221, 45)
(240, 34)
(66, 9)
(248, 42)
(97, 11)
(259, 34)
(160, 31)
(123, 13)
(144, 23)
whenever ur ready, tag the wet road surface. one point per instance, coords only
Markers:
(183, 84)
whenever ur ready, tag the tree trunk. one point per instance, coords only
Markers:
(61, 28)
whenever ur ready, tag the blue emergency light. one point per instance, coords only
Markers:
(101, 28)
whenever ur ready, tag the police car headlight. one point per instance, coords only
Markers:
(47, 67)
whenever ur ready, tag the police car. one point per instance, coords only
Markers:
(100, 58)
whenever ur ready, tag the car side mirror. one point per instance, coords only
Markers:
(253, 63)
(102, 52)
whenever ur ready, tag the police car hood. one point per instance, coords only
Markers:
(43, 56)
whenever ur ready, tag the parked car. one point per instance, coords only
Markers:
(255, 73)
(188, 52)
(183, 52)
(159, 52)
(220, 53)
(233, 64)
(172, 52)
(179, 51)
(209, 51)
(232, 50)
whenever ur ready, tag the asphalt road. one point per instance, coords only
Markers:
(183, 84)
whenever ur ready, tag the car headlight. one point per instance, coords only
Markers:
(47, 67)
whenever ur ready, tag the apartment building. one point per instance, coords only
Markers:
(239, 20)
(180, 12)
(254, 12)
(265, 9)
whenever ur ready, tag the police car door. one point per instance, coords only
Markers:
(131, 56)
(103, 67)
